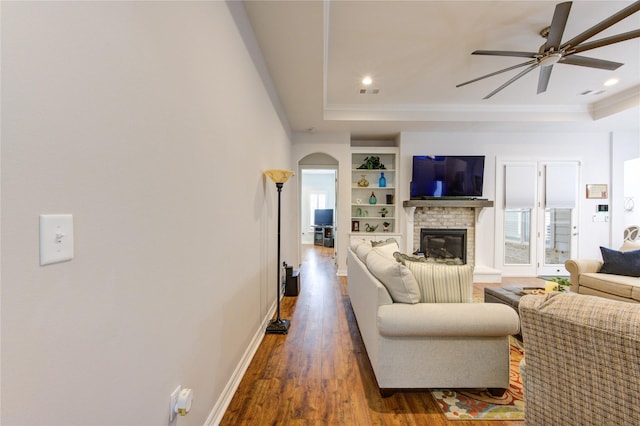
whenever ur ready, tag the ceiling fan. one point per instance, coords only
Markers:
(554, 51)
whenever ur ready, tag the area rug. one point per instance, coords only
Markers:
(465, 404)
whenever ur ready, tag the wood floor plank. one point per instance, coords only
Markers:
(319, 373)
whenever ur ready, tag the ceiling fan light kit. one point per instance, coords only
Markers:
(554, 51)
(549, 59)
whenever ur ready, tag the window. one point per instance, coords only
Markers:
(317, 200)
(517, 229)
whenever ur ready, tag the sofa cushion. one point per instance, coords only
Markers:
(620, 262)
(398, 280)
(618, 285)
(440, 283)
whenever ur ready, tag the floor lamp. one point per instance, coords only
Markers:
(278, 325)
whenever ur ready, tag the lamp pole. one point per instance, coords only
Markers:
(278, 325)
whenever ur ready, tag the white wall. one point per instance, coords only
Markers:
(593, 150)
(625, 146)
(132, 116)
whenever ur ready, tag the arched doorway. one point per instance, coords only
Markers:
(318, 196)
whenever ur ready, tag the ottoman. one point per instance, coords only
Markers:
(507, 296)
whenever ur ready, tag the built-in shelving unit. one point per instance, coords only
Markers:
(367, 218)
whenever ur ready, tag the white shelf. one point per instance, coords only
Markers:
(372, 218)
(388, 157)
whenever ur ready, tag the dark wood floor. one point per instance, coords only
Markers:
(319, 373)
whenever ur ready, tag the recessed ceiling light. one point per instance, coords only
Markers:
(367, 81)
(611, 82)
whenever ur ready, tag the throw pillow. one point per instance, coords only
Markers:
(385, 242)
(355, 242)
(397, 279)
(363, 250)
(441, 283)
(403, 258)
(620, 262)
(387, 250)
(630, 245)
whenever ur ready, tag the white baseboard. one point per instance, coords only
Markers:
(218, 410)
(485, 274)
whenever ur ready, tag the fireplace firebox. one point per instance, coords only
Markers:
(444, 243)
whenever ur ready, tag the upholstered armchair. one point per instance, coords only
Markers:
(582, 360)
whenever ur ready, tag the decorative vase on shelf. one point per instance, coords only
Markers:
(382, 182)
(373, 199)
(363, 182)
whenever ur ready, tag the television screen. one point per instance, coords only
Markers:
(447, 176)
(323, 217)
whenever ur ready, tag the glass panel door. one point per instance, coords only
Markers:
(517, 237)
(538, 220)
(558, 240)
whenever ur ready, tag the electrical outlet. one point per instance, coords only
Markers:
(173, 402)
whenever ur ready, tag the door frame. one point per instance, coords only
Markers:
(535, 266)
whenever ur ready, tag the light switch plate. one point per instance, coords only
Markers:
(56, 238)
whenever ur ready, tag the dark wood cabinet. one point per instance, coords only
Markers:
(323, 236)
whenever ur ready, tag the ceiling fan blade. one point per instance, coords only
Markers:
(558, 23)
(497, 72)
(543, 80)
(603, 25)
(505, 53)
(583, 61)
(520, 74)
(605, 41)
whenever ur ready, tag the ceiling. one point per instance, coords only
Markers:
(416, 52)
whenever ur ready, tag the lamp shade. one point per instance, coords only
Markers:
(279, 176)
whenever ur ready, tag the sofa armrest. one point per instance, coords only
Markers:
(575, 267)
(583, 348)
(447, 320)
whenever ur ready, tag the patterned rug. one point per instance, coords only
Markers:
(467, 404)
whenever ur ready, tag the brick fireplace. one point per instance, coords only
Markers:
(448, 244)
(445, 217)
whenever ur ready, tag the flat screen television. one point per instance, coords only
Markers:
(323, 217)
(447, 176)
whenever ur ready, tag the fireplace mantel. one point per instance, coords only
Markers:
(448, 203)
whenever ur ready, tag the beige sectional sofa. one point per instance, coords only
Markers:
(426, 345)
(587, 278)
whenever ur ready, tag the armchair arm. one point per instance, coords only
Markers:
(575, 267)
(573, 340)
(447, 320)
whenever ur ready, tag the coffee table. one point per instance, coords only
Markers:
(509, 296)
